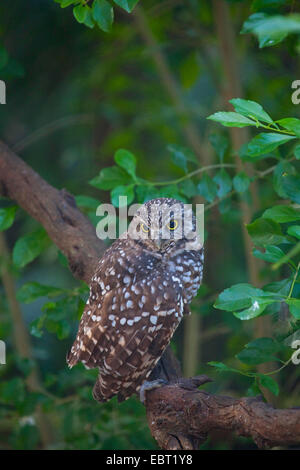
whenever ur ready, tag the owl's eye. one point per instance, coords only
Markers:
(144, 228)
(173, 224)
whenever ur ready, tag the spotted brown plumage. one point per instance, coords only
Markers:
(138, 295)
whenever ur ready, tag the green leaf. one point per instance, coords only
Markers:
(181, 156)
(297, 152)
(285, 259)
(57, 316)
(33, 290)
(291, 124)
(87, 202)
(207, 188)
(146, 193)
(251, 109)
(253, 357)
(269, 383)
(271, 30)
(126, 191)
(231, 119)
(29, 247)
(89, 20)
(266, 142)
(80, 12)
(258, 306)
(171, 191)
(281, 287)
(265, 345)
(283, 169)
(271, 254)
(62, 259)
(223, 180)
(126, 160)
(188, 188)
(253, 390)
(294, 231)
(241, 182)
(221, 367)
(239, 296)
(13, 390)
(7, 217)
(220, 144)
(282, 214)
(294, 306)
(291, 186)
(127, 5)
(66, 3)
(103, 14)
(265, 232)
(111, 177)
(36, 326)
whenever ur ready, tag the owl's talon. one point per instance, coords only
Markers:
(147, 386)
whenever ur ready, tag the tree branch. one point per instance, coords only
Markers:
(56, 210)
(182, 410)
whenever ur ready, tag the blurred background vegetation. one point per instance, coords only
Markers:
(75, 95)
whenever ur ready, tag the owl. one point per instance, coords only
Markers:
(138, 295)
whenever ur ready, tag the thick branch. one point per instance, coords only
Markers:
(56, 210)
(181, 409)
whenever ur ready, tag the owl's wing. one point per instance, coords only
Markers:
(137, 341)
(103, 284)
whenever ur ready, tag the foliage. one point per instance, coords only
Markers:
(100, 12)
(126, 137)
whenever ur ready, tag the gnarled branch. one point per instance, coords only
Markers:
(180, 409)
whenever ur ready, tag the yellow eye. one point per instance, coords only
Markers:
(173, 224)
(145, 228)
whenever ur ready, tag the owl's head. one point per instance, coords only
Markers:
(164, 224)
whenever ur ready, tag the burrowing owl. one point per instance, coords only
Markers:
(138, 295)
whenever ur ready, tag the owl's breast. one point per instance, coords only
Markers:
(187, 267)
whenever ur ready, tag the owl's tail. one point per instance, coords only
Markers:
(99, 393)
(107, 387)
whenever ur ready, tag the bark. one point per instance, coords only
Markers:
(179, 411)
(179, 416)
